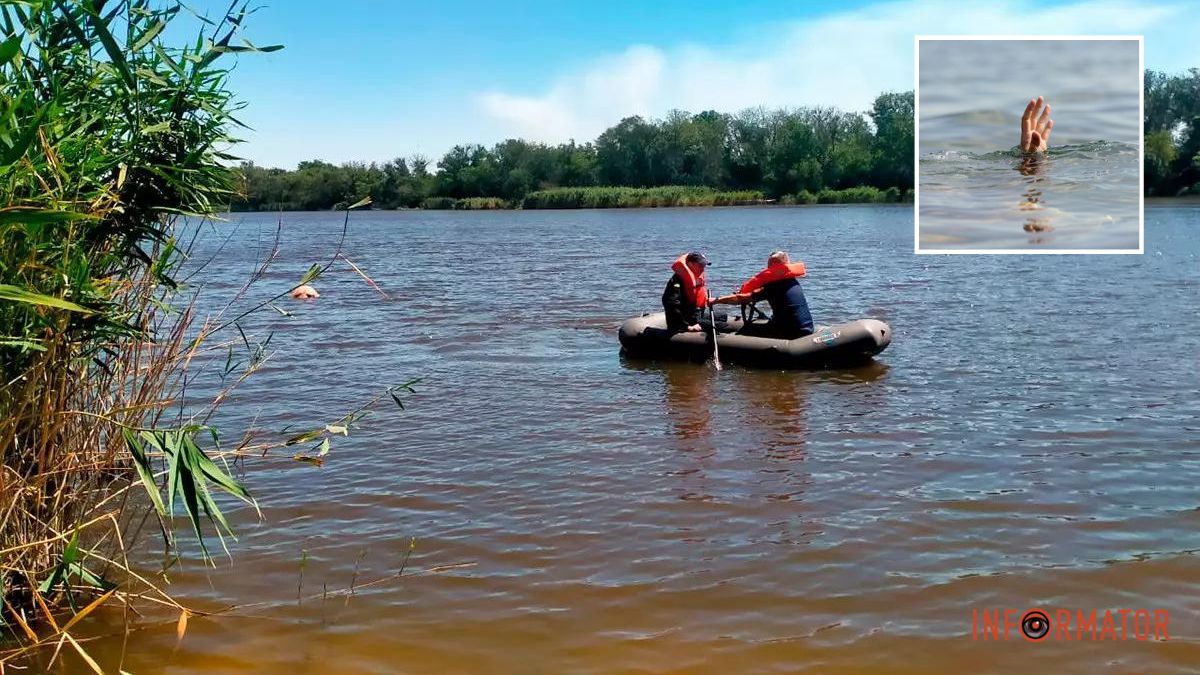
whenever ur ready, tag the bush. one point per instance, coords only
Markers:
(854, 195)
(105, 141)
(109, 138)
(438, 203)
(627, 197)
(480, 204)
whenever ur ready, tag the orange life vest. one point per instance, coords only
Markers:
(774, 272)
(693, 284)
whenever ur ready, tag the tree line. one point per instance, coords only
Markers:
(1172, 133)
(779, 153)
(788, 155)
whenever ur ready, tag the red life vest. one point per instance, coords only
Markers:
(774, 272)
(693, 285)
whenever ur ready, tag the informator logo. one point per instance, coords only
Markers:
(1064, 625)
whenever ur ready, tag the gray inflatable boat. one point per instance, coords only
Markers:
(844, 344)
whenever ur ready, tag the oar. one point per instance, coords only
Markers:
(712, 315)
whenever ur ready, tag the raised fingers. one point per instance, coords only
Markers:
(1027, 123)
(1046, 130)
(1035, 125)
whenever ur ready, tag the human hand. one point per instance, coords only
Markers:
(1035, 126)
(694, 328)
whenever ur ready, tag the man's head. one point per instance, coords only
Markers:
(777, 258)
(696, 262)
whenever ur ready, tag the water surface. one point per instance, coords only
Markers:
(978, 192)
(1031, 437)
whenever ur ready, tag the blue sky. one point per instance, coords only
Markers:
(371, 80)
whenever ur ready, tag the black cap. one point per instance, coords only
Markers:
(698, 258)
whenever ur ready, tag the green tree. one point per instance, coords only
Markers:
(623, 153)
(892, 150)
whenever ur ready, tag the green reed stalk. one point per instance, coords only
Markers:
(107, 136)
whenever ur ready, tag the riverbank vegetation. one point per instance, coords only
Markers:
(707, 158)
(667, 196)
(109, 137)
(1172, 134)
(624, 197)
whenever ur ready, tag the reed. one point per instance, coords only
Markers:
(481, 204)
(109, 140)
(438, 203)
(628, 197)
(853, 195)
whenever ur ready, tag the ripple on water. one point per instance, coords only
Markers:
(1029, 439)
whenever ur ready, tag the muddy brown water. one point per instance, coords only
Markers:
(1030, 439)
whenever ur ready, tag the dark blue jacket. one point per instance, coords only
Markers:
(789, 307)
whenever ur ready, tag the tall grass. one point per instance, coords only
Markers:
(627, 197)
(853, 195)
(438, 203)
(481, 204)
(107, 137)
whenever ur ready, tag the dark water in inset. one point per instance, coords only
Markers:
(976, 192)
(1030, 438)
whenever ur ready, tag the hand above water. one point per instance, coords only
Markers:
(1035, 126)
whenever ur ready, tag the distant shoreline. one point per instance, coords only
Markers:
(1173, 201)
(667, 196)
(1152, 202)
(765, 204)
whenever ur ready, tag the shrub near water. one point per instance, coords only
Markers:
(438, 203)
(105, 138)
(98, 156)
(854, 195)
(480, 204)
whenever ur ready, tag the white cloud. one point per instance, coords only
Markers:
(842, 59)
(626, 84)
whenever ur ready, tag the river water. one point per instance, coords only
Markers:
(1030, 439)
(977, 192)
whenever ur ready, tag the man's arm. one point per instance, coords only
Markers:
(733, 299)
(741, 298)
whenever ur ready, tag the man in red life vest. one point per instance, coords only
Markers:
(686, 295)
(777, 285)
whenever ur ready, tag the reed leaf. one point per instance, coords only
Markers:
(15, 294)
(142, 463)
(35, 217)
(9, 49)
(115, 53)
(311, 275)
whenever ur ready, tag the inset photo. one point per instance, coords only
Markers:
(1029, 144)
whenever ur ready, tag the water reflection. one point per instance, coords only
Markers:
(1032, 167)
(687, 392)
(744, 433)
(775, 413)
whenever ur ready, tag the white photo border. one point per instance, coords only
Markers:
(1014, 251)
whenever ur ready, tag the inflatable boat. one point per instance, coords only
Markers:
(841, 345)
